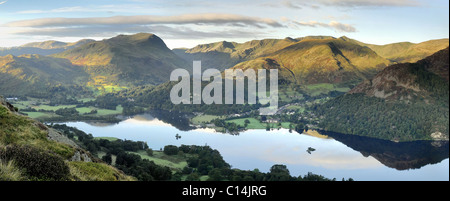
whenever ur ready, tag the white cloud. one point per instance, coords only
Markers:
(289, 4)
(340, 27)
(57, 10)
(207, 18)
(2, 2)
(371, 3)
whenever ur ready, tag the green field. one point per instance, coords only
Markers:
(256, 124)
(53, 108)
(175, 162)
(86, 99)
(106, 138)
(43, 105)
(289, 95)
(324, 88)
(100, 112)
(298, 108)
(202, 177)
(205, 118)
(35, 115)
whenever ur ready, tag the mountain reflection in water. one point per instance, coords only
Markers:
(335, 156)
(398, 155)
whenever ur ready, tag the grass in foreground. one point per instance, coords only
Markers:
(88, 171)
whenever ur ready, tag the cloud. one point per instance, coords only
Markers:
(177, 32)
(340, 27)
(2, 2)
(57, 10)
(289, 4)
(187, 26)
(363, 3)
(292, 4)
(112, 8)
(208, 18)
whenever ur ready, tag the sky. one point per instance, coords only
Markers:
(189, 23)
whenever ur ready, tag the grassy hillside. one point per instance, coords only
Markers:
(306, 60)
(314, 61)
(406, 52)
(30, 150)
(223, 55)
(34, 74)
(125, 60)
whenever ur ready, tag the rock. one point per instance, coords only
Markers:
(78, 156)
(7, 105)
(58, 137)
(86, 158)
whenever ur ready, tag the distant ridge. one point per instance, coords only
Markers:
(405, 52)
(43, 48)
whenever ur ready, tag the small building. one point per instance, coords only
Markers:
(272, 121)
(12, 99)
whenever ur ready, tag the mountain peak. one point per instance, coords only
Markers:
(138, 58)
(145, 39)
(289, 39)
(139, 37)
(345, 38)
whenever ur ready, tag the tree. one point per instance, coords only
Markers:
(215, 175)
(279, 173)
(107, 158)
(171, 150)
(193, 177)
(149, 152)
(263, 118)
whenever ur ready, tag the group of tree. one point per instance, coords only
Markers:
(375, 117)
(229, 127)
(67, 111)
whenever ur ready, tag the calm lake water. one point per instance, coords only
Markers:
(335, 156)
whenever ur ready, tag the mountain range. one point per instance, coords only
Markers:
(307, 60)
(405, 52)
(143, 59)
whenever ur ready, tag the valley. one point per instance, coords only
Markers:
(127, 74)
(332, 92)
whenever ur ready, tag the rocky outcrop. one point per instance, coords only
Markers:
(397, 82)
(80, 156)
(58, 137)
(7, 105)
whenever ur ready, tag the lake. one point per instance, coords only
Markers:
(335, 155)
